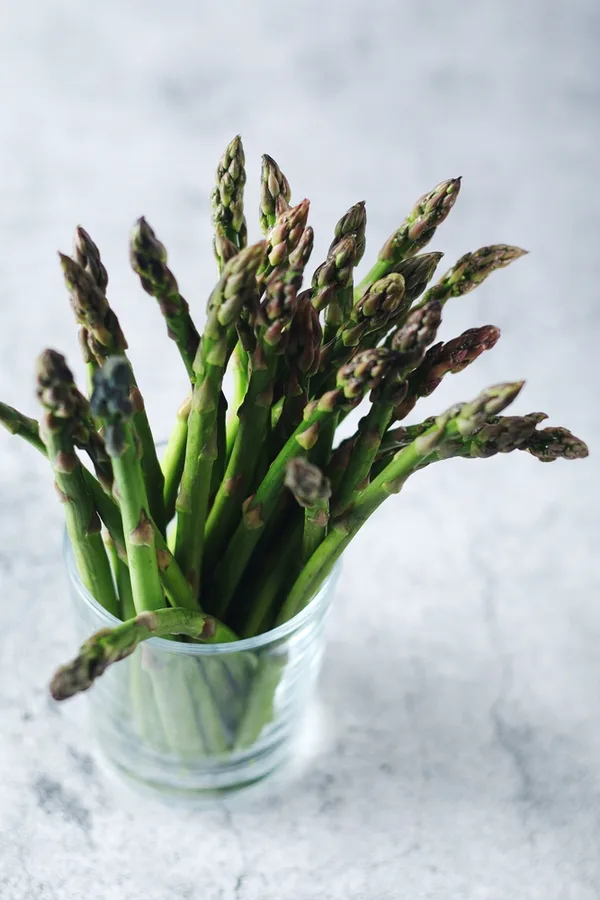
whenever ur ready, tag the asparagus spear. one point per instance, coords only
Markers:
(104, 339)
(111, 403)
(291, 270)
(62, 401)
(386, 298)
(110, 645)
(354, 380)
(173, 458)
(175, 584)
(471, 270)
(459, 420)
(302, 356)
(275, 315)
(415, 232)
(24, 426)
(417, 272)
(149, 260)
(275, 193)
(311, 490)
(351, 225)
(17, 423)
(453, 356)
(334, 275)
(283, 238)
(410, 341)
(236, 287)
(499, 434)
(228, 217)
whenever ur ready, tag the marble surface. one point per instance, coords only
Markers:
(455, 752)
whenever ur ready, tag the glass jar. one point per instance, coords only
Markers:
(197, 720)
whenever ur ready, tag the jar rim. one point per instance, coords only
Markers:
(319, 602)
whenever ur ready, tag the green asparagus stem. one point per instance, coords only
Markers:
(174, 582)
(410, 342)
(122, 579)
(174, 457)
(236, 288)
(354, 380)
(23, 426)
(311, 490)
(275, 193)
(104, 339)
(471, 270)
(441, 359)
(415, 232)
(302, 356)
(276, 313)
(111, 403)
(459, 420)
(149, 261)
(280, 569)
(228, 204)
(110, 645)
(499, 434)
(62, 401)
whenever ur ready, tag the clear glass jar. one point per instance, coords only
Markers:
(199, 720)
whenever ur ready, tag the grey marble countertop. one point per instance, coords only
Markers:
(457, 748)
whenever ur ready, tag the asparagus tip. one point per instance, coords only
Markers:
(307, 482)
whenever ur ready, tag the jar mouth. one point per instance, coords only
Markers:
(317, 605)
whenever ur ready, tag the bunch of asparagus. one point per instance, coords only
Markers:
(238, 525)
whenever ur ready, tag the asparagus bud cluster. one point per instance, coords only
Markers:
(258, 495)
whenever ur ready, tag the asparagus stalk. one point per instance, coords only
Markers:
(354, 380)
(110, 645)
(111, 403)
(275, 193)
(500, 434)
(311, 490)
(175, 584)
(62, 402)
(228, 217)
(122, 579)
(471, 270)
(105, 338)
(459, 420)
(275, 315)
(441, 359)
(149, 261)
(302, 356)
(236, 287)
(415, 232)
(173, 458)
(410, 341)
(23, 426)
(351, 225)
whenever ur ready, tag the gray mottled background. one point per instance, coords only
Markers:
(458, 756)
